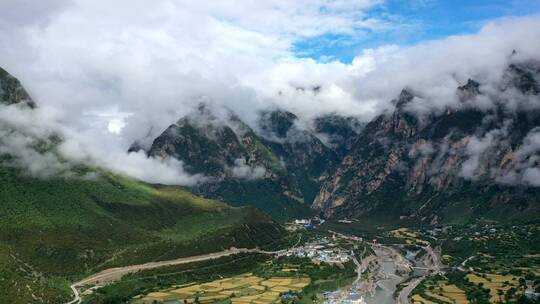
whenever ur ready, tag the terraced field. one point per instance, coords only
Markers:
(241, 289)
(410, 237)
(418, 299)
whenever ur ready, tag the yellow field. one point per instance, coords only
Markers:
(410, 237)
(242, 289)
(442, 291)
(447, 258)
(403, 232)
(289, 270)
(417, 299)
(494, 282)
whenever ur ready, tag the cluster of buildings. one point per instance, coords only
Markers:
(351, 297)
(322, 251)
(304, 224)
(298, 224)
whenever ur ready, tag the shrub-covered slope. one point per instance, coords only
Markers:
(59, 226)
(56, 229)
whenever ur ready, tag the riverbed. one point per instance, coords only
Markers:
(384, 279)
(387, 284)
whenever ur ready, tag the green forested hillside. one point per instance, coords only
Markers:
(54, 230)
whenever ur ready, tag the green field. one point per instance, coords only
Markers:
(487, 263)
(163, 283)
(56, 230)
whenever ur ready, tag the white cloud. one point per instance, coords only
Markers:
(145, 64)
(476, 148)
(40, 144)
(532, 176)
(525, 161)
(242, 170)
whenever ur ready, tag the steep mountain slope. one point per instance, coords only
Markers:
(477, 156)
(239, 167)
(338, 132)
(467, 162)
(275, 171)
(304, 155)
(60, 227)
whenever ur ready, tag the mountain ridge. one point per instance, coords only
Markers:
(407, 154)
(277, 159)
(427, 161)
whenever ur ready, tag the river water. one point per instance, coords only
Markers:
(385, 287)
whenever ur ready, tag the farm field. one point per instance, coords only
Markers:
(245, 288)
(409, 236)
(442, 291)
(418, 299)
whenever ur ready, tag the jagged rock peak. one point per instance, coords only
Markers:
(202, 114)
(337, 131)
(277, 123)
(524, 76)
(471, 86)
(404, 98)
(12, 91)
(469, 90)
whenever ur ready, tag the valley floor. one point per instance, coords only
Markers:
(404, 266)
(111, 275)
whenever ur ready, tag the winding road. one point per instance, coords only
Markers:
(110, 275)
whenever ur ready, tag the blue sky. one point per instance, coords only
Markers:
(414, 21)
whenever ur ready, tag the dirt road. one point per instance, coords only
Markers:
(433, 266)
(115, 274)
(403, 297)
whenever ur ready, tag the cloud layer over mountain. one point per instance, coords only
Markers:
(134, 67)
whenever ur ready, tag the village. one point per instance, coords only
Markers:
(320, 249)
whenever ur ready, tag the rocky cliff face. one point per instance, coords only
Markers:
(275, 168)
(304, 155)
(476, 157)
(338, 132)
(463, 163)
(213, 146)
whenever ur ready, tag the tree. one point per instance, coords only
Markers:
(522, 282)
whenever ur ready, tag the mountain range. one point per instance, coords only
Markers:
(474, 158)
